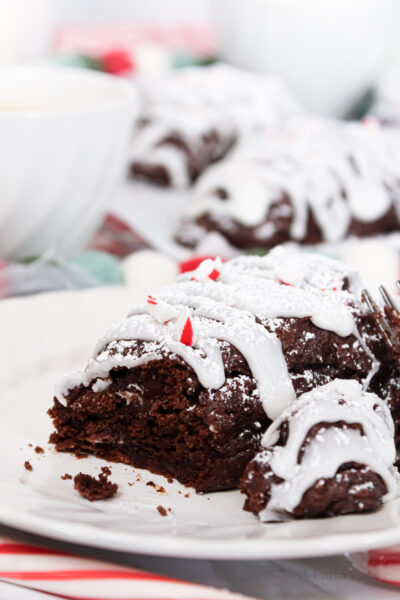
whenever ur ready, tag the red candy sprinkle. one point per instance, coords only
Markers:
(184, 331)
(187, 333)
(285, 283)
(214, 274)
(151, 300)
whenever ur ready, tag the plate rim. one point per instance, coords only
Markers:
(196, 548)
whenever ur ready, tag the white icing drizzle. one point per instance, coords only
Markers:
(339, 400)
(247, 292)
(195, 101)
(338, 170)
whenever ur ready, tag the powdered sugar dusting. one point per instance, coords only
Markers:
(248, 292)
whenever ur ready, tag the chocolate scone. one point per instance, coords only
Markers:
(331, 453)
(310, 181)
(175, 145)
(194, 116)
(188, 382)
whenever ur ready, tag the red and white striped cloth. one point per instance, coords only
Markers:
(199, 39)
(382, 564)
(75, 577)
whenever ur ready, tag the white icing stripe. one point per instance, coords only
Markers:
(173, 160)
(100, 368)
(261, 349)
(339, 400)
(228, 309)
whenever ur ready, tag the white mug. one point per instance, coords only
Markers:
(64, 135)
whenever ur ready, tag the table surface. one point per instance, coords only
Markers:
(313, 579)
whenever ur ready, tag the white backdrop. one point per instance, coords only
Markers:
(26, 26)
(118, 11)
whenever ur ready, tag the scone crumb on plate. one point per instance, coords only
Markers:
(94, 489)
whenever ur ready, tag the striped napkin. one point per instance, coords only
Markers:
(74, 577)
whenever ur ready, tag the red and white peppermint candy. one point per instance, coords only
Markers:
(160, 310)
(184, 331)
(208, 269)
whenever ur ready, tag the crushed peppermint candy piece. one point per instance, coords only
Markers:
(214, 274)
(208, 269)
(192, 263)
(184, 331)
(161, 311)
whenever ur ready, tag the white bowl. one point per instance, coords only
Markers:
(64, 135)
(329, 52)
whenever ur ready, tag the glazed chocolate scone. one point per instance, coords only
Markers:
(173, 146)
(194, 116)
(331, 452)
(188, 382)
(310, 181)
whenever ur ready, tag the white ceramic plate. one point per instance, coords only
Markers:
(41, 338)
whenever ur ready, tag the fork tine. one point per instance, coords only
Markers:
(387, 298)
(373, 307)
(380, 320)
(398, 285)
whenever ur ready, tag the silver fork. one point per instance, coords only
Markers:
(381, 316)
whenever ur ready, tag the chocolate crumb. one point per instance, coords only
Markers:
(28, 465)
(66, 476)
(187, 495)
(162, 511)
(30, 445)
(94, 489)
(106, 471)
(170, 480)
(39, 450)
(158, 488)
